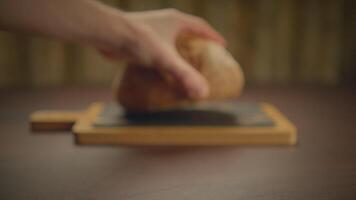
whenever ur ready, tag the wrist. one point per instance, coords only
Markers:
(115, 31)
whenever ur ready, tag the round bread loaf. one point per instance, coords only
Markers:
(143, 89)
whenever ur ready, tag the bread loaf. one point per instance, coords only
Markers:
(144, 89)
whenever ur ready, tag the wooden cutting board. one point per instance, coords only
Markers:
(222, 123)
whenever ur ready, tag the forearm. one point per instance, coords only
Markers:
(85, 21)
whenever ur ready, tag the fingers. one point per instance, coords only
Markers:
(165, 58)
(200, 27)
(192, 81)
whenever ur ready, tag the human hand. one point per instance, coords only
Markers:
(151, 43)
(143, 38)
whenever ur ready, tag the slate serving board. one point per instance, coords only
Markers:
(207, 114)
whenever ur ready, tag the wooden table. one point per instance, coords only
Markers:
(51, 166)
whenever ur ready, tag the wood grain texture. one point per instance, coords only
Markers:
(46, 61)
(50, 166)
(282, 133)
(283, 42)
(348, 46)
(54, 120)
(263, 69)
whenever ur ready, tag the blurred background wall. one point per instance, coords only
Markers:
(276, 41)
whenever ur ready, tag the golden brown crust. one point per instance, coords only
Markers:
(143, 89)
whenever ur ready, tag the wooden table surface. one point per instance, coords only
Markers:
(51, 166)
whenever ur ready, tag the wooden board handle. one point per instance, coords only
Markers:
(54, 120)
